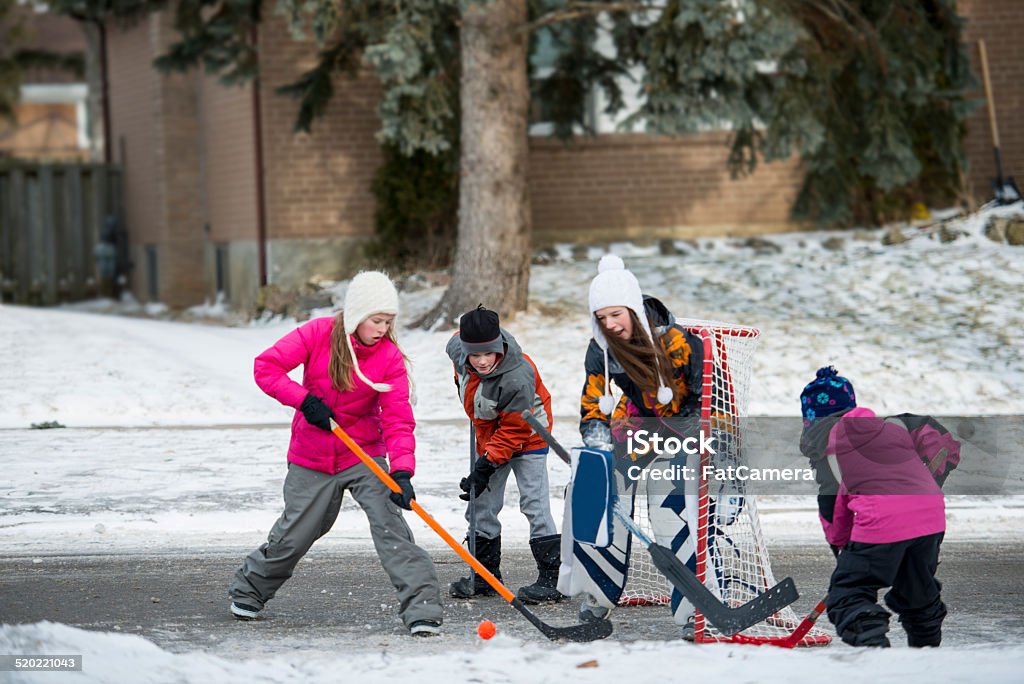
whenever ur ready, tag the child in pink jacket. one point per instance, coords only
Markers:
(355, 373)
(887, 520)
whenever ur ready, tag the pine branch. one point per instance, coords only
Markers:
(580, 10)
(843, 18)
(71, 62)
(315, 87)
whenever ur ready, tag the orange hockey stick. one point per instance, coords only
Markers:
(583, 632)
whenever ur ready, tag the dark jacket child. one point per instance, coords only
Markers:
(887, 518)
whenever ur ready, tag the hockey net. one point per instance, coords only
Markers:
(732, 559)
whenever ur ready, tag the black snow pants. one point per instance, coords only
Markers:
(906, 566)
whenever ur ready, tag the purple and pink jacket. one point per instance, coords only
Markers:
(886, 493)
(381, 423)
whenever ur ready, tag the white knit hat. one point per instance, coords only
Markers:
(369, 293)
(615, 285)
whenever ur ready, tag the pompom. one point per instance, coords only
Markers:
(664, 395)
(610, 262)
(827, 372)
(607, 404)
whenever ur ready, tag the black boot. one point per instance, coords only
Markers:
(488, 552)
(547, 553)
(867, 630)
(924, 626)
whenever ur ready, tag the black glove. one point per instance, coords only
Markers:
(402, 499)
(316, 412)
(478, 478)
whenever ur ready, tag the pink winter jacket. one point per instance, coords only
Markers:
(886, 492)
(380, 422)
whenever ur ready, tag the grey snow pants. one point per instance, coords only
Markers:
(531, 471)
(312, 500)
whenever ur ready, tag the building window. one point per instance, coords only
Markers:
(543, 59)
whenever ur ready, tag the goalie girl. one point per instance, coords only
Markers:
(657, 365)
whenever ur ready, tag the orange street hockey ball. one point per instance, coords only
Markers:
(486, 629)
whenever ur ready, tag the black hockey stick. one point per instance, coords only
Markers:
(588, 631)
(727, 620)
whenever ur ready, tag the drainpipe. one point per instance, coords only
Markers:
(261, 216)
(105, 96)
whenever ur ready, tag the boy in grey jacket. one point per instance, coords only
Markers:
(496, 383)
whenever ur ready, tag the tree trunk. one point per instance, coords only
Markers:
(492, 256)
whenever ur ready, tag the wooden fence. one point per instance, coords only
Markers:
(51, 218)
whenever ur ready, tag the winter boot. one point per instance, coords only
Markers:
(591, 610)
(924, 626)
(867, 630)
(488, 552)
(689, 630)
(547, 551)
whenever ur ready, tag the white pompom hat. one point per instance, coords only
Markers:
(369, 293)
(615, 285)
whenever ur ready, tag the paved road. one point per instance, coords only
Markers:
(343, 601)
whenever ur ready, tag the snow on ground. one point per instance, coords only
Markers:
(503, 659)
(923, 327)
(172, 447)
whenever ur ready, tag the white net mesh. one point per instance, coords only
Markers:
(732, 558)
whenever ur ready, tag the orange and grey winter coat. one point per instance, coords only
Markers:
(685, 352)
(495, 402)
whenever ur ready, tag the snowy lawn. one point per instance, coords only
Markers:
(923, 326)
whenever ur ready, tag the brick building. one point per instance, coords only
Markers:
(214, 177)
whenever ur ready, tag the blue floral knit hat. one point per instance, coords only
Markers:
(829, 393)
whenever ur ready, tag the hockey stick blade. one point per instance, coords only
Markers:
(581, 632)
(587, 631)
(804, 627)
(727, 620)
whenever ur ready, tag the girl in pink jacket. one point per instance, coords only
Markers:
(355, 373)
(886, 522)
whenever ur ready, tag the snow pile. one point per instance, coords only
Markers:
(125, 659)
